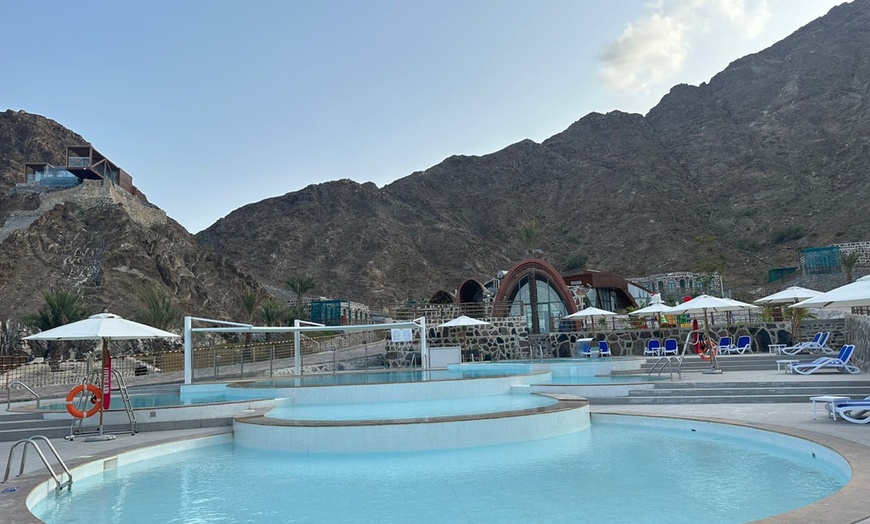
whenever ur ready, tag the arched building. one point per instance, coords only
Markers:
(535, 289)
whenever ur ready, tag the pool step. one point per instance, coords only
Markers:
(24, 425)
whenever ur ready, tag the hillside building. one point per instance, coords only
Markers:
(82, 163)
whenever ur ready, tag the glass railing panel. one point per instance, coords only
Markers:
(78, 161)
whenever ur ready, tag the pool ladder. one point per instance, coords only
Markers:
(59, 484)
(118, 380)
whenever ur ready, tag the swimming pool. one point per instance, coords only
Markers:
(619, 470)
(409, 409)
(377, 377)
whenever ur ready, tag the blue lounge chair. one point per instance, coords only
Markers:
(725, 347)
(584, 349)
(838, 363)
(653, 347)
(671, 347)
(604, 349)
(857, 411)
(818, 343)
(744, 344)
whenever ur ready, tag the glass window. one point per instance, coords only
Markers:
(550, 307)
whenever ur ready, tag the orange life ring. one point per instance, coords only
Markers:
(96, 400)
(709, 350)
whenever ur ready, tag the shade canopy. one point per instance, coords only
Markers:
(707, 303)
(463, 321)
(102, 326)
(653, 309)
(590, 312)
(789, 295)
(855, 294)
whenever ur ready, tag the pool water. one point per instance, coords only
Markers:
(411, 409)
(377, 377)
(161, 400)
(610, 473)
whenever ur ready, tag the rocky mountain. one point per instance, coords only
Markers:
(739, 173)
(96, 238)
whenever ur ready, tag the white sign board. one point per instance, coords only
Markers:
(401, 335)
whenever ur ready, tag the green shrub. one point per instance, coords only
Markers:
(787, 234)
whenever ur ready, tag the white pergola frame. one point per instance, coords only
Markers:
(297, 329)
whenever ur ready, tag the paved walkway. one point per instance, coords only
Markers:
(852, 440)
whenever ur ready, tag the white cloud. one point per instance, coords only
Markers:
(654, 49)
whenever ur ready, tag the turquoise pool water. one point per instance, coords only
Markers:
(408, 410)
(611, 473)
(377, 377)
(160, 400)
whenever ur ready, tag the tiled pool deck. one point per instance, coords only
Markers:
(849, 505)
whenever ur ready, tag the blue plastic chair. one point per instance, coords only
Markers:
(604, 349)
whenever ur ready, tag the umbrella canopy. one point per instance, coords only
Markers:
(590, 312)
(855, 294)
(788, 295)
(707, 303)
(653, 309)
(463, 321)
(102, 326)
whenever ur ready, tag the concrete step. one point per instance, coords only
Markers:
(753, 391)
(25, 425)
(703, 399)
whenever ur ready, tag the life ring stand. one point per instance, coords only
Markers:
(708, 350)
(96, 400)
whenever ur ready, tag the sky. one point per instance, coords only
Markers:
(214, 104)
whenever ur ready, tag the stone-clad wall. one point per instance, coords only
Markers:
(858, 327)
(507, 339)
(499, 340)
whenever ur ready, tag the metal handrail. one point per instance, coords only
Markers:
(25, 386)
(32, 441)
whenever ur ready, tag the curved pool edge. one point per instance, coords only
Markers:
(847, 506)
(568, 415)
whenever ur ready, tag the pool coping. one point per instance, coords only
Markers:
(846, 506)
(564, 402)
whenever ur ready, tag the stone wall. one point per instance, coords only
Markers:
(858, 327)
(508, 339)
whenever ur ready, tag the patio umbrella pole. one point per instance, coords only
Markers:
(101, 436)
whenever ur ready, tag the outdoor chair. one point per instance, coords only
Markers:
(671, 347)
(725, 346)
(604, 349)
(801, 346)
(838, 363)
(653, 347)
(744, 344)
(855, 411)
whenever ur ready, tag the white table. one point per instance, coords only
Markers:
(787, 362)
(776, 348)
(831, 402)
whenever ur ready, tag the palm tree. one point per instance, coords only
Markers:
(849, 262)
(249, 300)
(158, 310)
(273, 313)
(60, 308)
(300, 284)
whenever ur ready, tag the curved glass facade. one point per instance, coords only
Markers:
(549, 304)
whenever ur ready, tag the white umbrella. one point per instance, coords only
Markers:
(590, 313)
(791, 294)
(463, 321)
(656, 308)
(102, 327)
(704, 303)
(855, 294)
